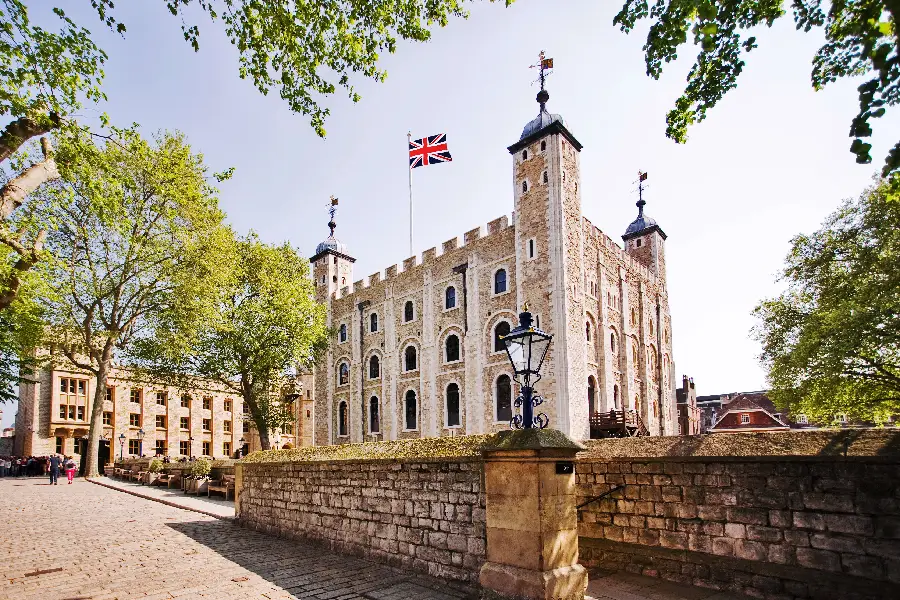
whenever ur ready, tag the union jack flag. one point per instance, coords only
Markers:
(431, 150)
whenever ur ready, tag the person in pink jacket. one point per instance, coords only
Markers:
(70, 468)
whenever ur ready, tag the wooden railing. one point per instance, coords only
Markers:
(619, 422)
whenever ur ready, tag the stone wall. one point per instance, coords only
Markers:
(427, 515)
(771, 527)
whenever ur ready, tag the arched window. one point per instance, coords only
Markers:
(504, 398)
(343, 374)
(616, 397)
(500, 331)
(343, 419)
(450, 297)
(410, 410)
(650, 322)
(524, 186)
(374, 424)
(373, 322)
(374, 368)
(524, 154)
(343, 334)
(409, 358)
(408, 311)
(587, 330)
(500, 281)
(452, 348)
(612, 343)
(546, 179)
(592, 393)
(452, 405)
(543, 145)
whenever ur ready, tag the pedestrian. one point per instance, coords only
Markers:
(53, 466)
(70, 468)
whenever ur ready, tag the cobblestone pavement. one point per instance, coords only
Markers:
(215, 506)
(85, 541)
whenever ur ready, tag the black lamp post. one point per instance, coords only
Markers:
(241, 450)
(140, 437)
(527, 347)
(121, 446)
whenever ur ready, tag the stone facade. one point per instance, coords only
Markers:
(52, 419)
(772, 527)
(425, 515)
(606, 306)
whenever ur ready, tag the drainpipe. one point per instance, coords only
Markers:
(659, 367)
(362, 359)
(461, 270)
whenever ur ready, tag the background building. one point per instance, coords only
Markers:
(54, 416)
(417, 351)
(689, 415)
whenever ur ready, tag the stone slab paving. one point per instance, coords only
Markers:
(84, 541)
(214, 506)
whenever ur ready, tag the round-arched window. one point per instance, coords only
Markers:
(504, 399)
(374, 368)
(410, 419)
(453, 405)
(343, 333)
(500, 281)
(374, 421)
(343, 374)
(373, 322)
(451, 348)
(408, 311)
(450, 298)
(500, 331)
(343, 420)
(409, 358)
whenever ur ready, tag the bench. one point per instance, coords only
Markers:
(224, 485)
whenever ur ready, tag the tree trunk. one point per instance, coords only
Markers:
(23, 129)
(93, 450)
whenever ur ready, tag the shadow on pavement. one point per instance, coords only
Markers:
(310, 570)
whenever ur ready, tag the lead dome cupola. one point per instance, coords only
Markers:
(544, 118)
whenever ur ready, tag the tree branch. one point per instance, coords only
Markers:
(13, 194)
(28, 257)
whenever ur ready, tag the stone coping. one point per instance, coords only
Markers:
(821, 443)
(531, 439)
(442, 449)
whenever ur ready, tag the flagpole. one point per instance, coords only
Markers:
(409, 169)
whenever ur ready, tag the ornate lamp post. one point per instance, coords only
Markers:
(527, 347)
(242, 441)
(140, 437)
(121, 446)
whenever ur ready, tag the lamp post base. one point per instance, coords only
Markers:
(506, 582)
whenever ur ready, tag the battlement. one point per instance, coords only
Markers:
(427, 258)
(591, 230)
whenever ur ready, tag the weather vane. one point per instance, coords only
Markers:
(642, 177)
(332, 210)
(544, 64)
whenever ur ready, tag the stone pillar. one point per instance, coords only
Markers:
(238, 484)
(532, 524)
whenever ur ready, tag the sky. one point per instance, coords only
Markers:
(771, 160)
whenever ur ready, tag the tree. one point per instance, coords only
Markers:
(862, 38)
(137, 240)
(266, 324)
(44, 76)
(831, 341)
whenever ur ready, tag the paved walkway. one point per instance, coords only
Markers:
(215, 506)
(85, 541)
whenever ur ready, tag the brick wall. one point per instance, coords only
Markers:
(772, 527)
(424, 515)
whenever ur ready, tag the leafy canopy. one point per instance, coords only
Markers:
(831, 341)
(307, 49)
(862, 39)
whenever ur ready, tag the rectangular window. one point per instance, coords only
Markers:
(288, 429)
(109, 393)
(160, 421)
(107, 417)
(207, 448)
(246, 426)
(207, 403)
(802, 419)
(135, 395)
(134, 419)
(226, 426)
(184, 448)
(185, 422)
(160, 447)
(745, 419)
(134, 447)
(226, 448)
(80, 413)
(228, 405)
(161, 398)
(842, 418)
(244, 408)
(59, 445)
(72, 393)
(185, 401)
(207, 424)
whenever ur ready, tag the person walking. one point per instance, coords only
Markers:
(70, 468)
(54, 463)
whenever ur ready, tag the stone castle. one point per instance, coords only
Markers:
(416, 352)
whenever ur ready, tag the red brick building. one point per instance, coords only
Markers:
(746, 414)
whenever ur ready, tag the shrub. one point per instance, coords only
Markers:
(156, 465)
(201, 468)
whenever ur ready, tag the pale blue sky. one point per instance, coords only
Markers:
(771, 160)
